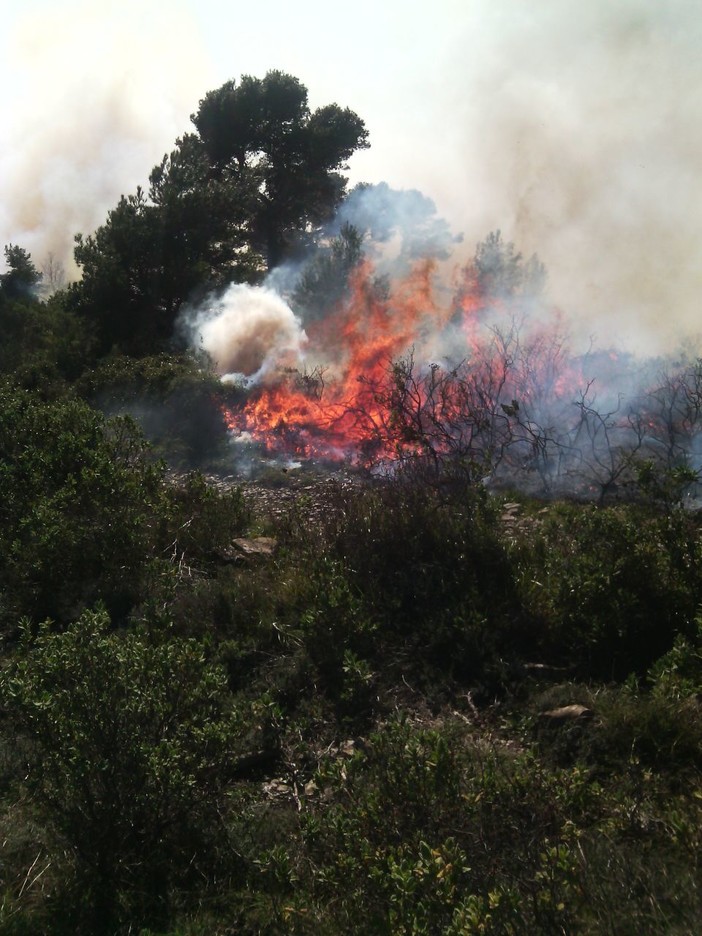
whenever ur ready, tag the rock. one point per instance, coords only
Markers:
(248, 549)
(277, 787)
(256, 545)
(544, 669)
(566, 714)
(510, 513)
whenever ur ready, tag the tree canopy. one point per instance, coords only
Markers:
(265, 129)
(259, 177)
(21, 277)
(501, 271)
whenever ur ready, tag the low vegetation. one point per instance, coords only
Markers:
(426, 712)
(406, 705)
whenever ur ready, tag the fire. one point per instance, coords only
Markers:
(427, 375)
(334, 411)
(347, 407)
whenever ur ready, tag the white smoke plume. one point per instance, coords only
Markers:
(249, 332)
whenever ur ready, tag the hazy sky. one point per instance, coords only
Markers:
(574, 127)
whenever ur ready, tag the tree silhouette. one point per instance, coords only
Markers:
(258, 178)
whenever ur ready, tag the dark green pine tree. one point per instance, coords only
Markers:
(258, 178)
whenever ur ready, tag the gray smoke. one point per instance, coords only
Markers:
(576, 129)
(405, 221)
(95, 102)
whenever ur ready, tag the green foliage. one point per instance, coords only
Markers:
(678, 673)
(430, 573)
(428, 831)
(501, 272)
(614, 585)
(21, 278)
(260, 173)
(141, 265)
(174, 399)
(324, 282)
(130, 737)
(77, 505)
(41, 342)
(664, 484)
(656, 723)
(201, 520)
(263, 130)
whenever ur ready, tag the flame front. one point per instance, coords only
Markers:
(343, 407)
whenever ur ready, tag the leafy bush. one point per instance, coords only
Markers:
(431, 575)
(42, 344)
(130, 738)
(427, 831)
(174, 398)
(198, 522)
(614, 585)
(77, 504)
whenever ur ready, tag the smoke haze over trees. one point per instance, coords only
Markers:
(574, 131)
(400, 696)
(258, 178)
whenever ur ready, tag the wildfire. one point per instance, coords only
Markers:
(346, 406)
(417, 372)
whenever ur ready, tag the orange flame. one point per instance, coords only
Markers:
(342, 408)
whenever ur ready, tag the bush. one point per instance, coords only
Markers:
(175, 400)
(429, 572)
(78, 503)
(427, 831)
(614, 586)
(130, 742)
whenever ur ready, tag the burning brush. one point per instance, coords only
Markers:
(409, 372)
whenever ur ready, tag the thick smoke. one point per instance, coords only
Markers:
(576, 129)
(252, 332)
(248, 332)
(405, 220)
(96, 101)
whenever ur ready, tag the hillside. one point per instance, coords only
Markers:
(338, 593)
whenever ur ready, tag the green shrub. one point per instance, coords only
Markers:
(130, 745)
(175, 399)
(613, 586)
(430, 571)
(199, 521)
(427, 830)
(78, 501)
